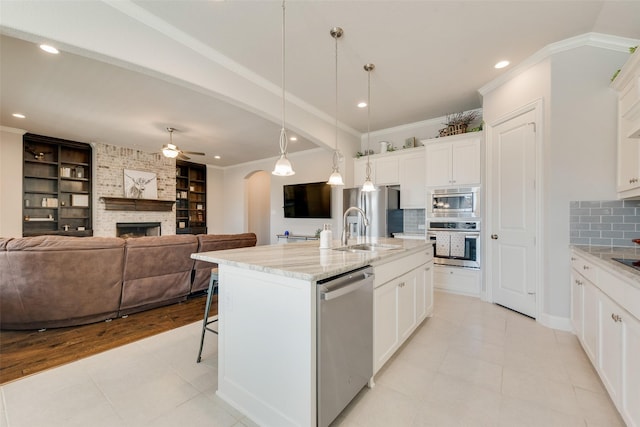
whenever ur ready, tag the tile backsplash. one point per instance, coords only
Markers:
(413, 218)
(604, 223)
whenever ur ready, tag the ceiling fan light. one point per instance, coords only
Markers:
(170, 151)
(283, 167)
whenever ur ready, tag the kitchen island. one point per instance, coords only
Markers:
(267, 318)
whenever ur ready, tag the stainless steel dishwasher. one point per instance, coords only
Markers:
(344, 340)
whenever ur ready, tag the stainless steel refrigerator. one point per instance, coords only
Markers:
(382, 208)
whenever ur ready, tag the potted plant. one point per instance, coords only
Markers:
(458, 122)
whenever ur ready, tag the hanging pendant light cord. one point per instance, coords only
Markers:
(368, 170)
(283, 133)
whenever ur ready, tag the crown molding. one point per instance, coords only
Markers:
(12, 130)
(143, 16)
(602, 41)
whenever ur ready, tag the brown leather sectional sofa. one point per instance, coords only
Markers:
(58, 281)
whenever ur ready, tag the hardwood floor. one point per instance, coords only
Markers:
(27, 352)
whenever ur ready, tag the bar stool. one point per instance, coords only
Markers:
(213, 288)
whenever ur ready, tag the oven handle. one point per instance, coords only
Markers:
(475, 236)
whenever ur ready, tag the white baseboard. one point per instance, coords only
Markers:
(555, 322)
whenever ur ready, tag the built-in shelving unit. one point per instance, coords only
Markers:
(56, 187)
(191, 198)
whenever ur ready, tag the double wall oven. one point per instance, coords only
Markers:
(454, 226)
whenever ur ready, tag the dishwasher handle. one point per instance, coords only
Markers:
(346, 288)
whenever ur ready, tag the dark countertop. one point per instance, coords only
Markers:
(603, 256)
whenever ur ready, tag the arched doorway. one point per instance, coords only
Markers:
(258, 193)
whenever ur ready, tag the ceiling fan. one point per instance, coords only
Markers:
(172, 151)
(38, 155)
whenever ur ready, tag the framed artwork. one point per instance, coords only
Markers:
(140, 184)
(410, 142)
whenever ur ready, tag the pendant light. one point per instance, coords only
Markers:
(368, 184)
(336, 178)
(283, 165)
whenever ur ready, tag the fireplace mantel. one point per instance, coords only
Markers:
(126, 204)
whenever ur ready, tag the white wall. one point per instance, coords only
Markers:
(215, 200)
(582, 153)
(310, 166)
(397, 135)
(579, 132)
(10, 182)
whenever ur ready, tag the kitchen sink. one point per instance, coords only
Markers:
(367, 247)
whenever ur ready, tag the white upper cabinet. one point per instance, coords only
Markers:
(412, 180)
(387, 172)
(403, 167)
(453, 161)
(627, 84)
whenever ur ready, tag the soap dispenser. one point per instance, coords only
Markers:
(326, 237)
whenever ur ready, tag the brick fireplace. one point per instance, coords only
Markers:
(138, 229)
(110, 163)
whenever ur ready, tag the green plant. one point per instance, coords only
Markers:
(632, 50)
(456, 119)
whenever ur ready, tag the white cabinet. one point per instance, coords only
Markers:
(384, 171)
(631, 371)
(424, 293)
(610, 348)
(453, 161)
(407, 304)
(385, 324)
(412, 180)
(605, 310)
(360, 171)
(591, 320)
(387, 171)
(401, 302)
(404, 167)
(627, 84)
(457, 280)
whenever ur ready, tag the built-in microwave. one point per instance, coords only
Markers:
(453, 203)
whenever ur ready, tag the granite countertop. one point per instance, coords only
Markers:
(305, 260)
(604, 256)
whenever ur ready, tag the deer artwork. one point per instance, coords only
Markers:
(136, 191)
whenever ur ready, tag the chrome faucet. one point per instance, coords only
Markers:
(345, 234)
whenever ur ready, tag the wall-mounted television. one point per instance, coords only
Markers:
(311, 200)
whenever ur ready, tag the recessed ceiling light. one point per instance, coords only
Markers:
(362, 104)
(19, 116)
(293, 138)
(49, 49)
(501, 64)
(217, 157)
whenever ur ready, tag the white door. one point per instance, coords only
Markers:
(513, 213)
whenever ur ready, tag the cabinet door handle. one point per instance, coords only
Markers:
(616, 317)
(494, 236)
(574, 259)
(585, 267)
(578, 282)
(401, 284)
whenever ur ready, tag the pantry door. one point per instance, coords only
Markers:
(512, 213)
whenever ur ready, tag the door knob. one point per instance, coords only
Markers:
(494, 236)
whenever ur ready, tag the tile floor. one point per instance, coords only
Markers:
(472, 364)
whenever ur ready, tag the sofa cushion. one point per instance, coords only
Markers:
(56, 281)
(216, 242)
(157, 271)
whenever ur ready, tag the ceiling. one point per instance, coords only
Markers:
(213, 69)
